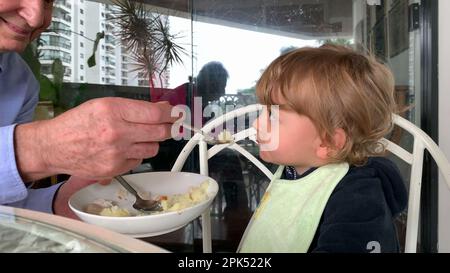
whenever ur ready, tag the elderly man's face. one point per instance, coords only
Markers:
(21, 21)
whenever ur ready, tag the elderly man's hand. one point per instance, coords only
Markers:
(67, 189)
(97, 140)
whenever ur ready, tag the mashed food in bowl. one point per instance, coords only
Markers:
(169, 203)
(178, 202)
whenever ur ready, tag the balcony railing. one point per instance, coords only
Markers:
(49, 55)
(110, 72)
(64, 5)
(61, 45)
(110, 63)
(56, 41)
(54, 57)
(109, 39)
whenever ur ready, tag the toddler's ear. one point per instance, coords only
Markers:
(322, 151)
(326, 149)
(339, 138)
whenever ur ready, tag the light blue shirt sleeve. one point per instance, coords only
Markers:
(19, 91)
(38, 199)
(12, 188)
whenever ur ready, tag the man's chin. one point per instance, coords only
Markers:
(18, 47)
(12, 43)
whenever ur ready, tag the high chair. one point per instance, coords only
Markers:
(421, 142)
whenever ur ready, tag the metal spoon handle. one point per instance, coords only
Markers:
(208, 138)
(189, 127)
(127, 186)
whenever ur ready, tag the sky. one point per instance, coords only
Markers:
(243, 53)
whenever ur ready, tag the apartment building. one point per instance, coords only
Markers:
(71, 37)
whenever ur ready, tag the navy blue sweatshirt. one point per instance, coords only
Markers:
(359, 216)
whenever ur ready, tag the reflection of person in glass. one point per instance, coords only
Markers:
(95, 141)
(211, 82)
(210, 86)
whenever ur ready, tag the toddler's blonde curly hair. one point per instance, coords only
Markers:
(336, 87)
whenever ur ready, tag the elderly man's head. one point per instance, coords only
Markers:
(211, 81)
(21, 21)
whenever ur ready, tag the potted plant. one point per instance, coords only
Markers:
(146, 37)
(49, 88)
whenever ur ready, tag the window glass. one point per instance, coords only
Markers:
(224, 48)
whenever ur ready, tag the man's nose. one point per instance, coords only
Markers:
(33, 12)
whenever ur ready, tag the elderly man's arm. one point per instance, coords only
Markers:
(97, 140)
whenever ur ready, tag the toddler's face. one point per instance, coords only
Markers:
(287, 138)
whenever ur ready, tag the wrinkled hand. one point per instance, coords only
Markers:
(97, 140)
(74, 184)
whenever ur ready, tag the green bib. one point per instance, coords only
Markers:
(287, 218)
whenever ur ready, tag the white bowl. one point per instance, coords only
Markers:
(159, 183)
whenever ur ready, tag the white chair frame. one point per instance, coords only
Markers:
(421, 142)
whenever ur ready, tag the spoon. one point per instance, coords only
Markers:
(140, 204)
(208, 138)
